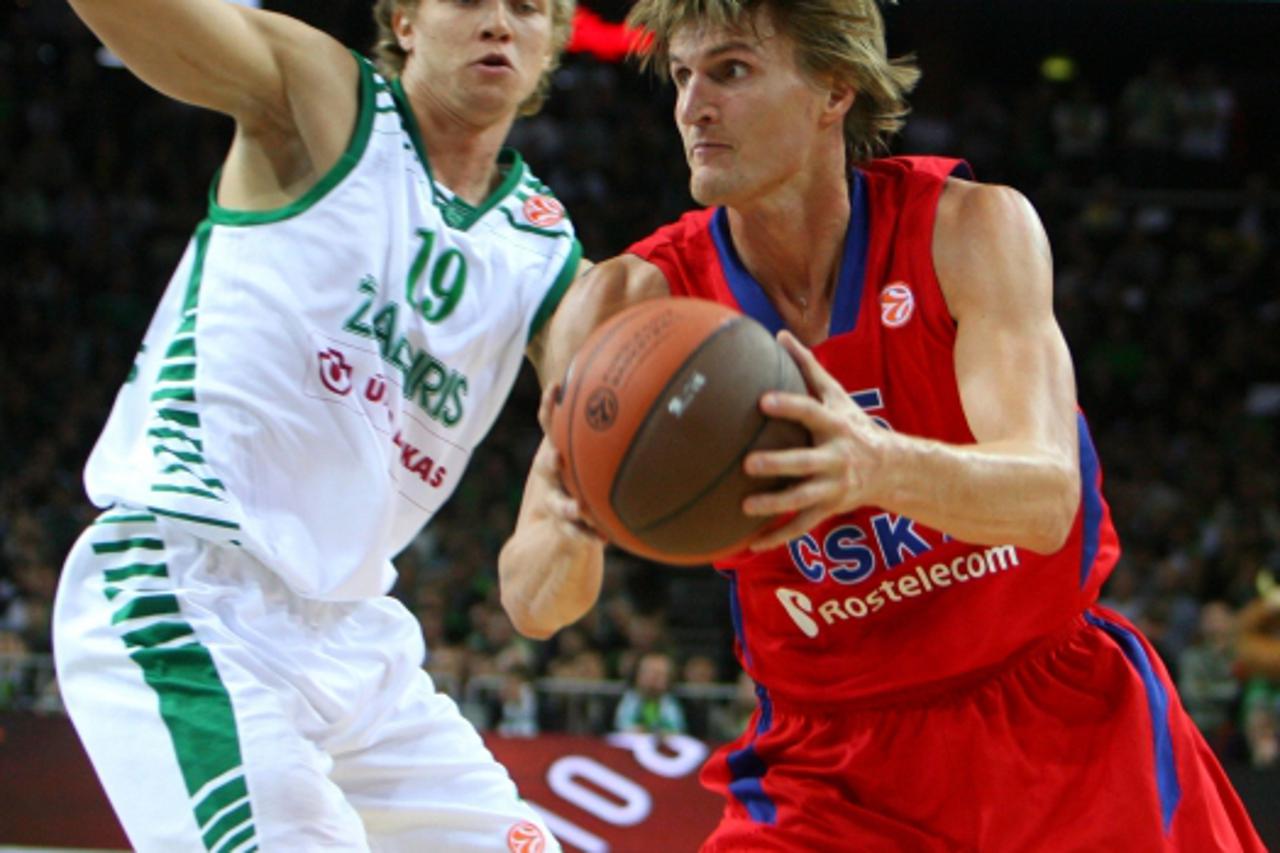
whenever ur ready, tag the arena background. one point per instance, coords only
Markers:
(1168, 289)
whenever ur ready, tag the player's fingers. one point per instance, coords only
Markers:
(794, 462)
(574, 524)
(563, 507)
(550, 399)
(820, 381)
(797, 498)
(801, 524)
(806, 411)
(546, 462)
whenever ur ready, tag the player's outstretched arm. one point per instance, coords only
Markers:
(210, 53)
(290, 87)
(1019, 483)
(551, 567)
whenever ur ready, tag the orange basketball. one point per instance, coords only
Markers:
(658, 410)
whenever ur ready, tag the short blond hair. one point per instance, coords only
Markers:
(836, 39)
(389, 57)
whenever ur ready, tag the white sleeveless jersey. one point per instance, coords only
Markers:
(315, 378)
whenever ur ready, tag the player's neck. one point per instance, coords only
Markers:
(792, 242)
(463, 152)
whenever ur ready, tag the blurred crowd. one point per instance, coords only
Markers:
(1164, 221)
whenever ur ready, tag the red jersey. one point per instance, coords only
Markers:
(871, 603)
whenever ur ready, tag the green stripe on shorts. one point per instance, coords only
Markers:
(136, 570)
(196, 709)
(219, 798)
(145, 605)
(120, 546)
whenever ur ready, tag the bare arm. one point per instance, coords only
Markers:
(1019, 483)
(290, 88)
(551, 567)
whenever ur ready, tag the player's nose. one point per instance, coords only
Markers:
(695, 104)
(497, 23)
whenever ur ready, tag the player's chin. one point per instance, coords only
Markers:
(708, 189)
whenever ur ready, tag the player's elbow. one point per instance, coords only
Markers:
(1056, 515)
(527, 621)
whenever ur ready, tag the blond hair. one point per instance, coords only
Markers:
(841, 40)
(389, 57)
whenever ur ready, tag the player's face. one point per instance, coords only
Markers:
(749, 117)
(480, 58)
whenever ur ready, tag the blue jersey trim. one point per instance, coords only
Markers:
(747, 769)
(1167, 784)
(735, 613)
(1092, 498)
(845, 307)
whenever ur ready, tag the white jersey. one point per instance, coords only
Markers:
(315, 378)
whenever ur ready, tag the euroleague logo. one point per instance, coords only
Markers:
(897, 304)
(602, 408)
(526, 837)
(543, 211)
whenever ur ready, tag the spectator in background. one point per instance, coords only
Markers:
(576, 657)
(1206, 108)
(699, 669)
(1206, 674)
(1147, 116)
(1259, 657)
(648, 705)
(1080, 126)
(518, 711)
(495, 646)
(728, 722)
(13, 669)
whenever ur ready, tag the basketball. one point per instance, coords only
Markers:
(658, 410)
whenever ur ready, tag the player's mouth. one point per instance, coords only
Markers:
(493, 63)
(702, 151)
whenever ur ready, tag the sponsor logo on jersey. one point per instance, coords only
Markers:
(335, 372)
(543, 211)
(526, 837)
(811, 616)
(437, 389)
(897, 304)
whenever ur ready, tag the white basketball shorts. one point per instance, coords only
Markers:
(224, 713)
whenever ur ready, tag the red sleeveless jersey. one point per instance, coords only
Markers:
(871, 605)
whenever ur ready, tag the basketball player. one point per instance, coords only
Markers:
(342, 330)
(933, 672)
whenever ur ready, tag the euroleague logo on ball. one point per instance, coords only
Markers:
(602, 408)
(543, 211)
(897, 304)
(526, 837)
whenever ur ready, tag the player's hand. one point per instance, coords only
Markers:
(557, 502)
(836, 473)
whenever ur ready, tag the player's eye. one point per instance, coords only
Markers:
(734, 70)
(680, 75)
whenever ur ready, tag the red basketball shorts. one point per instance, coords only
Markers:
(1079, 744)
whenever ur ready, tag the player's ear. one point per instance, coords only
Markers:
(402, 26)
(840, 98)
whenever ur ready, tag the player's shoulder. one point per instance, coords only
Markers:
(691, 228)
(529, 209)
(917, 167)
(968, 210)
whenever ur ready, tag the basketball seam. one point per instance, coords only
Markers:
(654, 412)
(573, 408)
